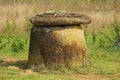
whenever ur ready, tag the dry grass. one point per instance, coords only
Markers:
(20, 11)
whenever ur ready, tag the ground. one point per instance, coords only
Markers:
(12, 68)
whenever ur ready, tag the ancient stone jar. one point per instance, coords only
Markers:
(57, 40)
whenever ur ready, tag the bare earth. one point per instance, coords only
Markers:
(91, 77)
(16, 65)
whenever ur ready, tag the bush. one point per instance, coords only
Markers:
(12, 44)
(19, 44)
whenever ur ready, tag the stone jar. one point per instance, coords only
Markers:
(57, 40)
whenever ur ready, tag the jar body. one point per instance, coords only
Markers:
(56, 47)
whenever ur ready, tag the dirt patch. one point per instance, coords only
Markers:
(90, 77)
(12, 63)
(26, 72)
(15, 64)
(8, 60)
(13, 67)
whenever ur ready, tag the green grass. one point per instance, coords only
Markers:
(14, 55)
(14, 44)
(7, 74)
(102, 62)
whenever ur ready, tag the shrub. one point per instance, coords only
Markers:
(19, 44)
(13, 44)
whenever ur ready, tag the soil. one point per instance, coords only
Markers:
(15, 64)
(91, 77)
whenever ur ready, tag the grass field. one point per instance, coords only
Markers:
(104, 58)
(104, 65)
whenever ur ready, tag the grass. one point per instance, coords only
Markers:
(14, 74)
(14, 44)
(102, 62)
(100, 37)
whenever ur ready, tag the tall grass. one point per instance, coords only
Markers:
(20, 11)
(15, 15)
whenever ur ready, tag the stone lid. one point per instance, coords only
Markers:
(60, 19)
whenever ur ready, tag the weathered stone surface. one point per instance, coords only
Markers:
(57, 18)
(57, 40)
(56, 47)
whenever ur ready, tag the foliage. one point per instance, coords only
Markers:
(13, 39)
(19, 45)
(10, 29)
(104, 38)
(12, 44)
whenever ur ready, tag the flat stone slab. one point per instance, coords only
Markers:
(60, 19)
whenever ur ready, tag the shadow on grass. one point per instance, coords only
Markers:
(22, 64)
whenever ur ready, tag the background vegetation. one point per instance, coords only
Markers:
(15, 14)
(101, 34)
